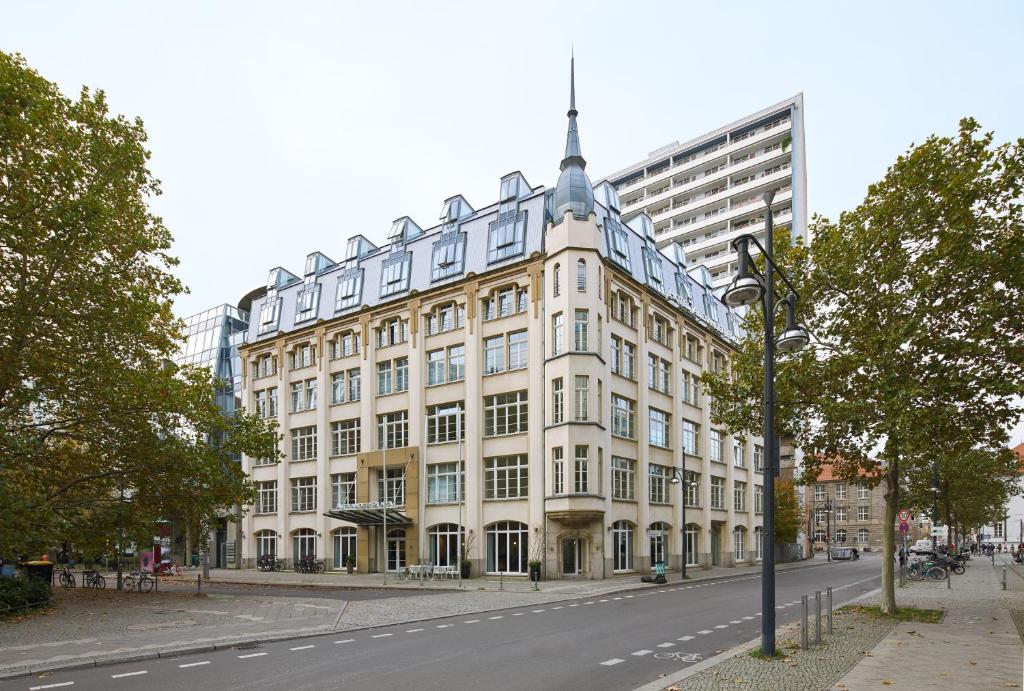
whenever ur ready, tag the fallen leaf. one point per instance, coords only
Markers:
(972, 662)
(888, 682)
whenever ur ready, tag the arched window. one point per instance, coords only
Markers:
(344, 546)
(841, 537)
(692, 544)
(759, 542)
(303, 543)
(396, 549)
(507, 547)
(622, 546)
(739, 535)
(819, 536)
(862, 536)
(443, 540)
(659, 533)
(581, 276)
(266, 543)
(557, 280)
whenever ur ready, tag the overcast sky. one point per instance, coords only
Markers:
(282, 128)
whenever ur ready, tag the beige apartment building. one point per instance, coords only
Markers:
(520, 382)
(843, 514)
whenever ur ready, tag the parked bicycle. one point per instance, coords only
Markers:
(920, 570)
(310, 565)
(270, 562)
(93, 579)
(67, 578)
(138, 580)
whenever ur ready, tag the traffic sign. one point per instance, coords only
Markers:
(903, 515)
(904, 527)
(940, 531)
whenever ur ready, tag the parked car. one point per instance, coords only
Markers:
(921, 546)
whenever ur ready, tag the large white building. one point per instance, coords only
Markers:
(523, 376)
(705, 192)
(1010, 530)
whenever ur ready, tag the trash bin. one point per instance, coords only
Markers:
(39, 571)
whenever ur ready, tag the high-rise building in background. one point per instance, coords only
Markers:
(706, 191)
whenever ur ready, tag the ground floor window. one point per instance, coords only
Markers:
(841, 537)
(738, 538)
(266, 543)
(344, 545)
(819, 536)
(862, 536)
(692, 544)
(396, 550)
(659, 533)
(303, 543)
(444, 544)
(507, 547)
(759, 542)
(622, 546)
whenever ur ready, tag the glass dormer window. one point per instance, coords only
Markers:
(652, 265)
(350, 289)
(618, 245)
(506, 236)
(683, 288)
(270, 313)
(394, 274)
(448, 255)
(307, 302)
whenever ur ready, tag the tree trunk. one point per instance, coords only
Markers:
(188, 542)
(892, 497)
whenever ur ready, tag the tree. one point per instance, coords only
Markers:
(789, 515)
(914, 300)
(99, 435)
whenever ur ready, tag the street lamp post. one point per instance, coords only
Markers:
(935, 503)
(748, 288)
(679, 478)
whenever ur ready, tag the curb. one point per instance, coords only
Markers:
(104, 659)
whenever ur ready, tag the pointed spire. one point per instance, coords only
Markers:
(574, 191)
(572, 138)
(572, 84)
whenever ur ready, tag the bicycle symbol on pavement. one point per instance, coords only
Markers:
(679, 656)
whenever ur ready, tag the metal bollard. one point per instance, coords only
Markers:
(828, 628)
(199, 583)
(949, 579)
(1004, 578)
(817, 616)
(803, 622)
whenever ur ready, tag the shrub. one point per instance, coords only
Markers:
(19, 594)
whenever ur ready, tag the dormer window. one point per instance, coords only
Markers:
(652, 265)
(506, 236)
(618, 245)
(448, 255)
(350, 289)
(307, 302)
(394, 274)
(683, 288)
(270, 313)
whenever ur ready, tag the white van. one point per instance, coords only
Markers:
(921, 546)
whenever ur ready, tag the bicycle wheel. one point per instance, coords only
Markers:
(99, 582)
(958, 569)
(128, 584)
(936, 573)
(146, 584)
(67, 580)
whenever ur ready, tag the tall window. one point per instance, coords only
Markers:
(659, 534)
(759, 543)
(840, 514)
(266, 544)
(266, 497)
(658, 481)
(692, 544)
(863, 492)
(738, 537)
(623, 478)
(557, 471)
(819, 493)
(505, 413)
(840, 491)
(623, 417)
(344, 546)
(384, 378)
(622, 546)
(556, 280)
(435, 367)
(456, 363)
(690, 388)
(737, 454)
(715, 446)
(862, 536)
(581, 276)
(391, 488)
(580, 397)
(580, 331)
(393, 430)
(304, 443)
(518, 350)
(304, 494)
(863, 513)
(557, 401)
(343, 489)
(303, 395)
(337, 388)
(557, 334)
(303, 543)
(494, 355)
(446, 483)
(692, 488)
(506, 477)
(444, 541)
(445, 422)
(345, 437)
(758, 499)
(616, 355)
(658, 424)
(739, 496)
(841, 536)
(628, 360)
(507, 547)
(691, 432)
(582, 469)
(758, 458)
(717, 492)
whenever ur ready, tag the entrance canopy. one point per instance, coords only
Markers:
(370, 513)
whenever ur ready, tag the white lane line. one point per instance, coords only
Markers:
(781, 606)
(561, 607)
(616, 598)
(307, 647)
(748, 618)
(381, 635)
(705, 632)
(242, 657)
(757, 614)
(537, 611)
(589, 603)
(471, 621)
(345, 640)
(519, 614)
(722, 626)
(666, 645)
(602, 600)
(628, 596)
(497, 617)
(128, 674)
(195, 664)
(643, 652)
(735, 621)
(50, 686)
(613, 661)
(414, 630)
(685, 638)
(443, 626)
(575, 605)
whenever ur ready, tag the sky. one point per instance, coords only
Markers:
(278, 129)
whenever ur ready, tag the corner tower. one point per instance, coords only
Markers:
(574, 192)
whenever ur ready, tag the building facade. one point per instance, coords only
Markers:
(842, 514)
(1010, 530)
(519, 383)
(705, 192)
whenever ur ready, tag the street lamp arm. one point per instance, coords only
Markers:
(767, 256)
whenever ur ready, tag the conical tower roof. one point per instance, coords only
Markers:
(574, 192)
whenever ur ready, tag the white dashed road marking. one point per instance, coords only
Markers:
(559, 607)
(643, 652)
(666, 645)
(307, 647)
(748, 618)
(471, 621)
(50, 686)
(127, 674)
(589, 603)
(345, 640)
(242, 657)
(537, 611)
(497, 617)
(443, 626)
(414, 630)
(685, 638)
(735, 621)
(722, 626)
(602, 600)
(519, 614)
(381, 635)
(705, 632)
(613, 661)
(195, 664)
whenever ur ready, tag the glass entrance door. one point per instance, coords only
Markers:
(396, 550)
(572, 556)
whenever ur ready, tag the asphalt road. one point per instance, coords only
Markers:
(282, 590)
(617, 641)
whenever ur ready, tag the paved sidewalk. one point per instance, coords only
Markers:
(976, 645)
